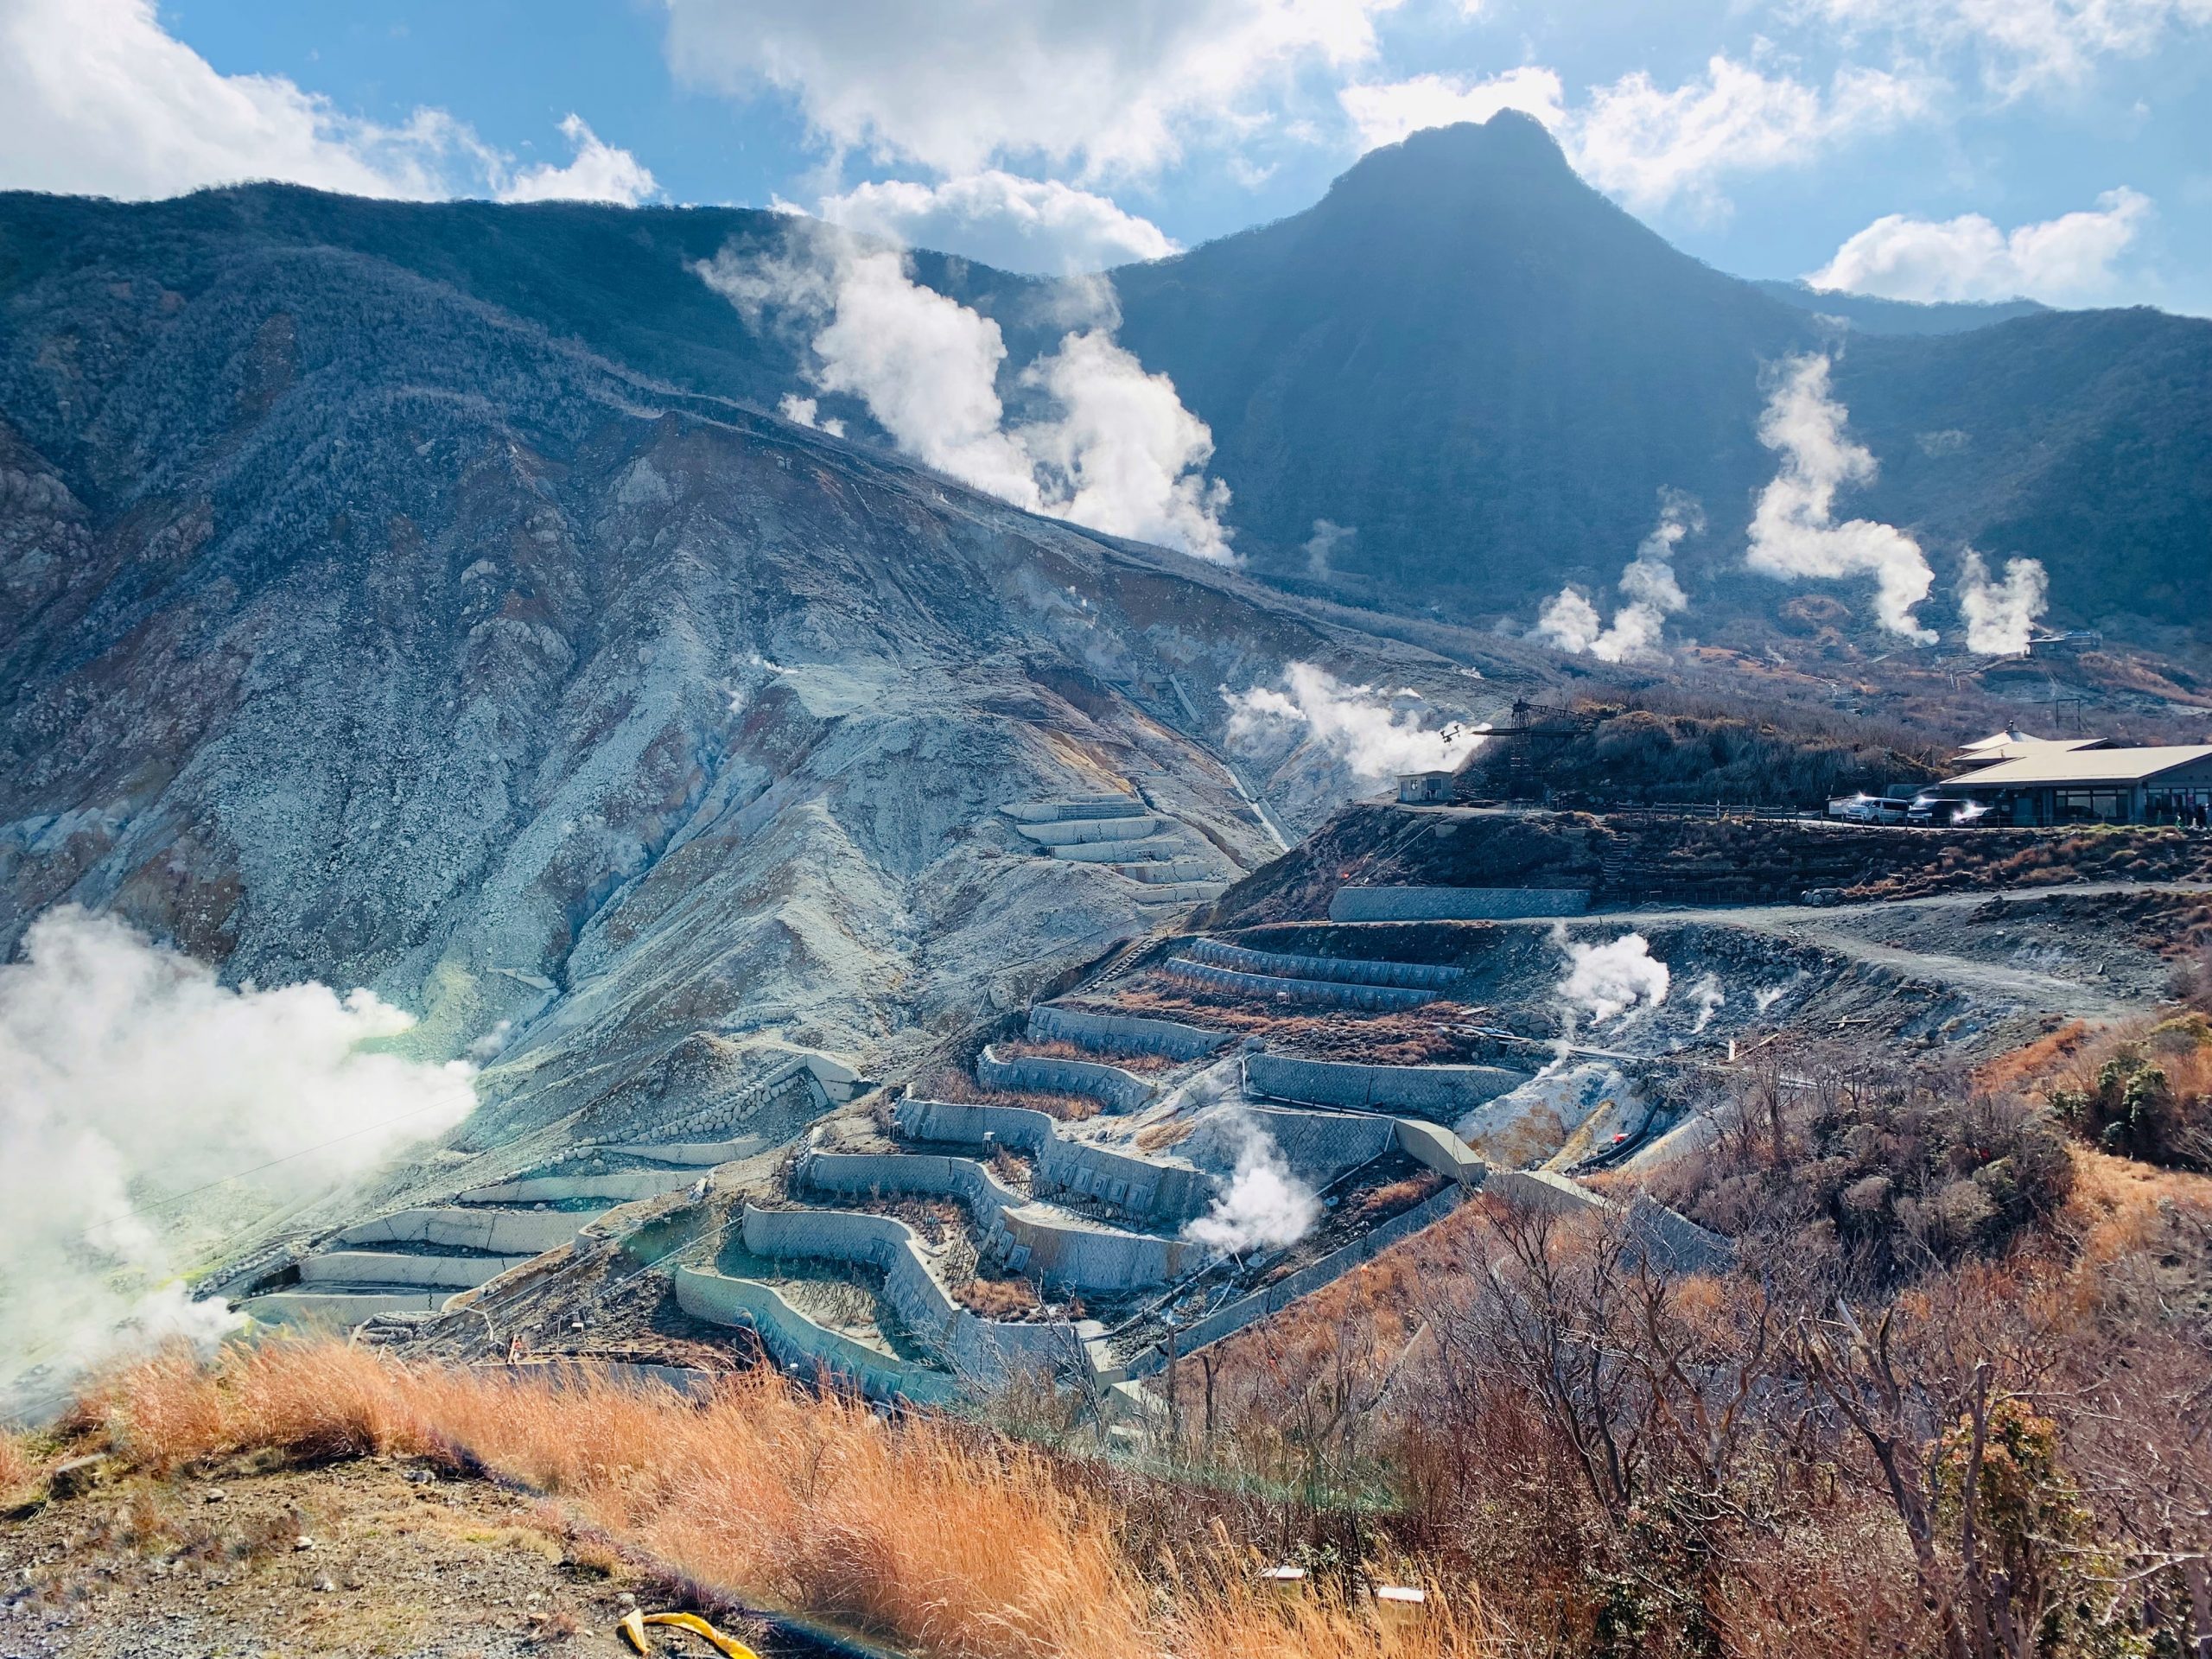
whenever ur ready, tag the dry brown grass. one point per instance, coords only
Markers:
(18, 1468)
(2036, 1063)
(998, 1299)
(941, 1539)
(949, 1083)
(1059, 1049)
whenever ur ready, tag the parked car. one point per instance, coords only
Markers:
(1869, 809)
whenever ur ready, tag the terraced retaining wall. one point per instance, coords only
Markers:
(1158, 1194)
(1125, 1033)
(1675, 1242)
(1445, 1092)
(380, 1268)
(798, 1343)
(1056, 1253)
(340, 1309)
(1342, 970)
(1267, 988)
(971, 1346)
(1321, 1147)
(1122, 1091)
(625, 1187)
(1454, 904)
(1086, 1258)
(1075, 806)
(1227, 1321)
(497, 1232)
(693, 1154)
(1067, 832)
(900, 1173)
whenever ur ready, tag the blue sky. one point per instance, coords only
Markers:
(1925, 148)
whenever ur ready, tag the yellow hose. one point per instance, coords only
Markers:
(633, 1627)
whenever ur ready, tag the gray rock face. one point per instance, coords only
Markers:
(353, 629)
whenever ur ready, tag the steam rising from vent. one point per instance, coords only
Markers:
(1794, 533)
(1709, 998)
(1357, 725)
(1571, 623)
(130, 1076)
(2001, 616)
(1122, 456)
(1607, 981)
(1321, 546)
(1264, 1207)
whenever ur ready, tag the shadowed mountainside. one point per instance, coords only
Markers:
(354, 628)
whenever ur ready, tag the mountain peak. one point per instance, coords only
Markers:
(1509, 147)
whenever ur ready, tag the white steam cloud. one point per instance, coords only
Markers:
(1321, 546)
(1376, 736)
(2001, 616)
(1607, 981)
(130, 1076)
(1571, 622)
(1794, 533)
(1709, 1000)
(1122, 456)
(1264, 1207)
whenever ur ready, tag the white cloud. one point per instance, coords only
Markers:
(1649, 145)
(2001, 616)
(1373, 735)
(97, 98)
(1794, 533)
(1122, 455)
(2062, 260)
(1016, 223)
(961, 84)
(129, 1076)
(2026, 46)
(1382, 113)
(599, 173)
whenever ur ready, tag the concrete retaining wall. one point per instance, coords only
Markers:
(964, 1124)
(1320, 1147)
(693, 1154)
(1340, 971)
(1085, 1258)
(1674, 1241)
(340, 1310)
(1054, 1252)
(1435, 1147)
(1266, 988)
(1249, 1310)
(1068, 832)
(381, 1267)
(1136, 850)
(798, 1343)
(1445, 1092)
(1166, 1196)
(625, 1186)
(985, 1349)
(1454, 904)
(498, 1232)
(1123, 1091)
(896, 1174)
(1123, 1033)
(1074, 806)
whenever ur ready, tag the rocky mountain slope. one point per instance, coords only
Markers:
(1463, 354)
(352, 627)
(1489, 372)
